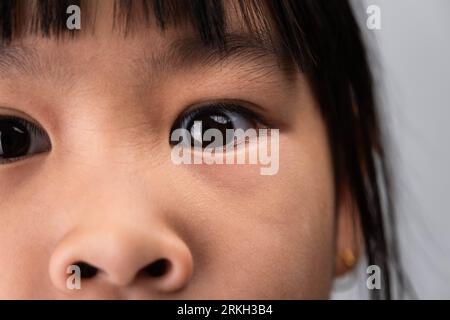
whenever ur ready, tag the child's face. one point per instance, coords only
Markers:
(108, 193)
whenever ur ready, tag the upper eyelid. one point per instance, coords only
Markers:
(231, 105)
(6, 112)
(29, 123)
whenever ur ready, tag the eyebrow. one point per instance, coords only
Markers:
(187, 52)
(18, 57)
(262, 55)
(235, 46)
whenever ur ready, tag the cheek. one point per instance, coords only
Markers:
(23, 260)
(23, 257)
(265, 236)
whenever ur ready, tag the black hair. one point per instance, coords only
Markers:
(323, 39)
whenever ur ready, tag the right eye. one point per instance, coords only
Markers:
(19, 139)
(221, 116)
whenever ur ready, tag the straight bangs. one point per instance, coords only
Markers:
(210, 19)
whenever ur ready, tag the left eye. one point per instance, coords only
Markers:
(19, 138)
(221, 117)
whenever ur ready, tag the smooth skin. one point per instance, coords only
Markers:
(109, 195)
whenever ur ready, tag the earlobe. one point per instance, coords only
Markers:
(348, 234)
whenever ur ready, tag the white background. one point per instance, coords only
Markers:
(413, 78)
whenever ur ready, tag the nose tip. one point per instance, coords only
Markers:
(159, 263)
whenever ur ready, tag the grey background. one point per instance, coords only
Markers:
(413, 79)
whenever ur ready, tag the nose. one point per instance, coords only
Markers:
(116, 257)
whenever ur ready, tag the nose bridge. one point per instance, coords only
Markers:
(118, 192)
(111, 189)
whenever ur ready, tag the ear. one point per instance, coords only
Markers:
(349, 236)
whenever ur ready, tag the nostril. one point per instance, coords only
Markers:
(87, 271)
(157, 268)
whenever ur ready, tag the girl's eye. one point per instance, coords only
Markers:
(220, 116)
(20, 138)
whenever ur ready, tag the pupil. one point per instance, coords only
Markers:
(218, 122)
(14, 139)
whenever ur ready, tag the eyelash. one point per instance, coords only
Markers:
(230, 107)
(34, 128)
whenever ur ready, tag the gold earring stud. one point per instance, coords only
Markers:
(348, 258)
